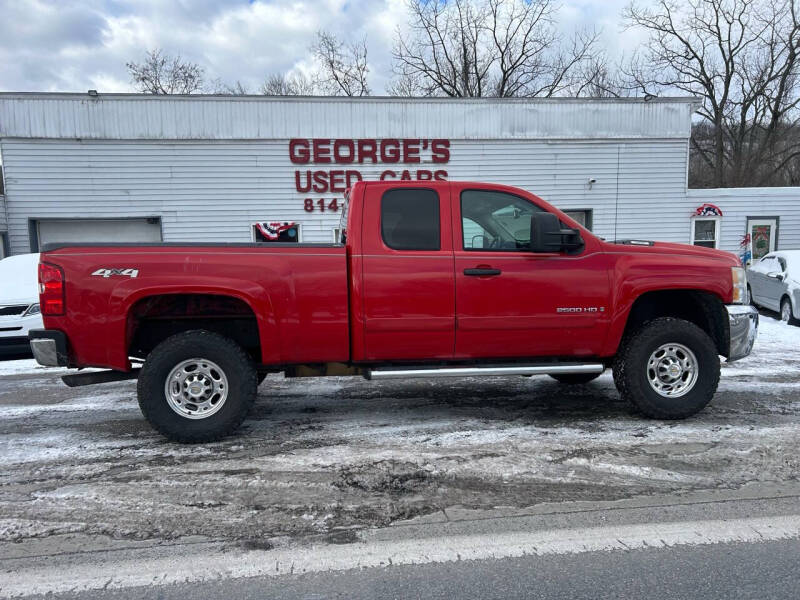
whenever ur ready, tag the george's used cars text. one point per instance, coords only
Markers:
(430, 279)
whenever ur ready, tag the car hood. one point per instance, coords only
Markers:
(673, 248)
(19, 279)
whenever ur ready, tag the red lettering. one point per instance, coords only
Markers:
(350, 176)
(320, 181)
(440, 175)
(302, 188)
(322, 151)
(298, 152)
(338, 146)
(367, 149)
(440, 151)
(424, 175)
(390, 151)
(388, 175)
(337, 182)
(411, 151)
(405, 176)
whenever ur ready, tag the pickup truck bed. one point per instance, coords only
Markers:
(294, 297)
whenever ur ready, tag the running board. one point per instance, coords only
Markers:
(108, 376)
(487, 371)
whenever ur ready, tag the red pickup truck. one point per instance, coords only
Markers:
(430, 279)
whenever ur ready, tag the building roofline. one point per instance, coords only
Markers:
(416, 99)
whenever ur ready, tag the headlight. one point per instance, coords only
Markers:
(33, 309)
(739, 285)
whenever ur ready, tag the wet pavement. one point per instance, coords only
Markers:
(328, 457)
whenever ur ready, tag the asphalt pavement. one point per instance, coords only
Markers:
(757, 571)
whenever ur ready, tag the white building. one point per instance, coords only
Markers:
(124, 167)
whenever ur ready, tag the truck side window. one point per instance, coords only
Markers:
(496, 221)
(410, 219)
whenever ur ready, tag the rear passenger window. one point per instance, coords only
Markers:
(410, 219)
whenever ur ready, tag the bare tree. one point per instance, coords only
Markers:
(473, 48)
(217, 86)
(741, 58)
(599, 79)
(343, 67)
(289, 84)
(160, 73)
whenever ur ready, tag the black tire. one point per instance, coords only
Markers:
(232, 360)
(575, 378)
(785, 302)
(631, 368)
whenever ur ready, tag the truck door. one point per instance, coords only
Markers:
(511, 302)
(408, 282)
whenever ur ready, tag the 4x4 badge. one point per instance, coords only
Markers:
(109, 272)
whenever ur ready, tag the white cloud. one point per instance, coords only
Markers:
(49, 45)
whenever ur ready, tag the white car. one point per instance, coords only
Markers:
(19, 303)
(774, 283)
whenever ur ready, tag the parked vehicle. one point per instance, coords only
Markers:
(774, 283)
(19, 303)
(432, 279)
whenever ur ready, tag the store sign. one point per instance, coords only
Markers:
(388, 159)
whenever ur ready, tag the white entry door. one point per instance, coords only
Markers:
(763, 233)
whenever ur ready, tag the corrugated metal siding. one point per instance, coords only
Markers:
(3, 223)
(739, 203)
(128, 117)
(214, 191)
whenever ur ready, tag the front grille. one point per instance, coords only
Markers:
(16, 309)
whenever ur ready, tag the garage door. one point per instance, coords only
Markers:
(82, 231)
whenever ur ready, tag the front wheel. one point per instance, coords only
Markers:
(786, 312)
(197, 386)
(668, 369)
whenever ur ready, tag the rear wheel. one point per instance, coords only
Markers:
(197, 386)
(668, 369)
(575, 378)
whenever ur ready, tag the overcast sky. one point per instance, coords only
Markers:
(59, 45)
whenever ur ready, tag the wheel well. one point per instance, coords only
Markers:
(701, 308)
(155, 318)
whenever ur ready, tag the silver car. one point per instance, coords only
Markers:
(774, 283)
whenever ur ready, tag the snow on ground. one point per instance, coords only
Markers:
(318, 455)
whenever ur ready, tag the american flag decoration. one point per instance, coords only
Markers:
(708, 210)
(276, 232)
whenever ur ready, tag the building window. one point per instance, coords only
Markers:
(705, 232)
(410, 219)
(583, 217)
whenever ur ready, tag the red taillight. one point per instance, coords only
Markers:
(51, 289)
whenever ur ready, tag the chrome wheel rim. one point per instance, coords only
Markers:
(672, 370)
(786, 312)
(196, 388)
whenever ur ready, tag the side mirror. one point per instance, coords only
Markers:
(479, 241)
(548, 236)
